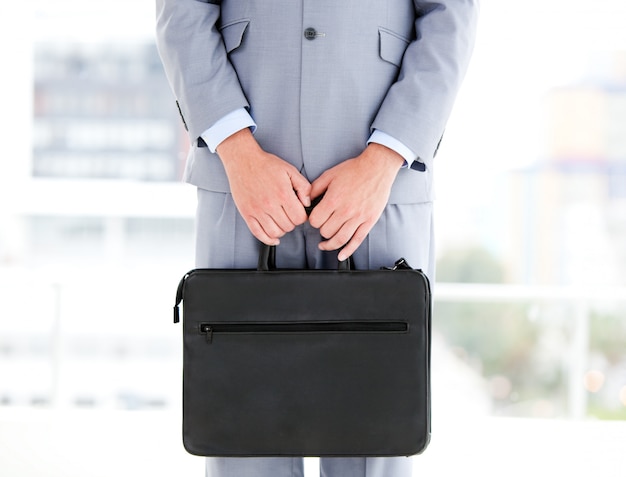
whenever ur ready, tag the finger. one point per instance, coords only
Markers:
(271, 216)
(283, 221)
(320, 185)
(321, 213)
(257, 230)
(354, 243)
(302, 188)
(332, 226)
(341, 237)
(276, 224)
(295, 212)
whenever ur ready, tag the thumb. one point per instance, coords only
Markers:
(320, 185)
(302, 188)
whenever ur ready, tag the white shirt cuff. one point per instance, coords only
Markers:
(392, 143)
(227, 126)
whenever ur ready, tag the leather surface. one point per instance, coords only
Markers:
(311, 392)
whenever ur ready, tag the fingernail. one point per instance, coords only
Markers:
(307, 201)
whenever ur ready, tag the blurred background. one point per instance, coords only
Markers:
(96, 228)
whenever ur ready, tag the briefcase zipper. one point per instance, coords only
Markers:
(400, 264)
(209, 329)
(179, 297)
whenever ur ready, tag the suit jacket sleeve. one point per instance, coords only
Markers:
(196, 64)
(417, 106)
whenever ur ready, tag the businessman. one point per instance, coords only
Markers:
(287, 101)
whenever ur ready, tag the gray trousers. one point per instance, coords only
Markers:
(224, 241)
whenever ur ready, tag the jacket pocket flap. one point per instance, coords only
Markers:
(392, 46)
(232, 33)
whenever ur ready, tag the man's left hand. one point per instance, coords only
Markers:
(355, 195)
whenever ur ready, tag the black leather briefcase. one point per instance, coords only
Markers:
(305, 362)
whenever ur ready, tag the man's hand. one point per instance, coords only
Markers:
(263, 186)
(355, 195)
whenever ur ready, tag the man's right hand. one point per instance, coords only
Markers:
(263, 186)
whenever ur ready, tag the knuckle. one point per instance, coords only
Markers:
(274, 231)
(301, 218)
(344, 235)
(359, 236)
(327, 233)
(254, 227)
(314, 221)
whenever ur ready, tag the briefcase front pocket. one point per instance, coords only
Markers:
(297, 327)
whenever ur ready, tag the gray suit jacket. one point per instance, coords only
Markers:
(317, 76)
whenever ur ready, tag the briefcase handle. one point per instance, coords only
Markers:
(267, 260)
(267, 253)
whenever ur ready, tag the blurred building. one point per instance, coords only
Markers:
(104, 111)
(108, 149)
(96, 228)
(572, 204)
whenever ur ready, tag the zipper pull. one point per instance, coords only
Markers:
(206, 329)
(179, 298)
(401, 264)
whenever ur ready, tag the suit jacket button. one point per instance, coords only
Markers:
(310, 34)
